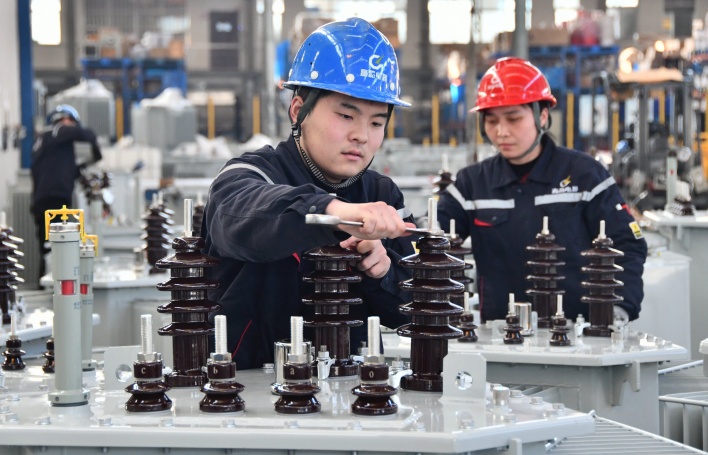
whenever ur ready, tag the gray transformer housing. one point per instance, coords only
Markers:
(163, 126)
(95, 104)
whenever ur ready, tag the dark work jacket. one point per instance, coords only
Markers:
(254, 223)
(54, 167)
(503, 214)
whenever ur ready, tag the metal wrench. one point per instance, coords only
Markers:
(333, 220)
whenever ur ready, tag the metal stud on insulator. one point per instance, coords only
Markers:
(431, 308)
(559, 331)
(331, 299)
(544, 276)
(189, 306)
(13, 352)
(513, 326)
(148, 392)
(157, 234)
(601, 284)
(297, 393)
(222, 390)
(374, 393)
(466, 322)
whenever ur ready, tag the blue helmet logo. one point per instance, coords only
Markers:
(349, 57)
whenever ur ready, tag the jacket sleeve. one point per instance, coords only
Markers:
(77, 133)
(621, 227)
(250, 219)
(95, 148)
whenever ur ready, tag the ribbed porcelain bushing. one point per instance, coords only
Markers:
(430, 311)
(331, 299)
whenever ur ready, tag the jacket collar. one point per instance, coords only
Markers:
(539, 173)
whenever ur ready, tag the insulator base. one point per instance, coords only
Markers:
(374, 400)
(222, 397)
(422, 383)
(148, 397)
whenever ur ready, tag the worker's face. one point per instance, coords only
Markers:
(341, 134)
(512, 131)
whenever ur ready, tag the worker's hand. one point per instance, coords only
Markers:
(375, 261)
(380, 220)
(621, 317)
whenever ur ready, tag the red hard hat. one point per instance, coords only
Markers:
(512, 81)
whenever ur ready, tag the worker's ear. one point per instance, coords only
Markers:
(295, 106)
(543, 118)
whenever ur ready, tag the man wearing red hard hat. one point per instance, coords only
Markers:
(501, 202)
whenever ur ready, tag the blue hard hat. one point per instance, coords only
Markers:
(63, 111)
(350, 57)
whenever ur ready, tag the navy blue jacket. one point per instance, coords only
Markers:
(254, 223)
(54, 167)
(503, 214)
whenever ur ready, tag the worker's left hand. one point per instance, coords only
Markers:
(375, 261)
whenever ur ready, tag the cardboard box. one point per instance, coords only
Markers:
(175, 49)
(158, 52)
(549, 37)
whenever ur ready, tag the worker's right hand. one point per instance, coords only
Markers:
(380, 220)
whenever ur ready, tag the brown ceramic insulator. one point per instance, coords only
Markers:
(544, 277)
(430, 311)
(331, 298)
(681, 206)
(466, 324)
(197, 217)
(148, 392)
(14, 242)
(559, 332)
(157, 236)
(48, 366)
(601, 285)
(190, 308)
(13, 355)
(513, 330)
(374, 394)
(222, 390)
(297, 394)
(459, 275)
(166, 211)
(8, 276)
(442, 181)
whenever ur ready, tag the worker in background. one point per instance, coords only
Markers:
(55, 167)
(345, 85)
(500, 202)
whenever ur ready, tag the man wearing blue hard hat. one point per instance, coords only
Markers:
(345, 84)
(55, 167)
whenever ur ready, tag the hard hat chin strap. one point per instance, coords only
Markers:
(297, 133)
(305, 109)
